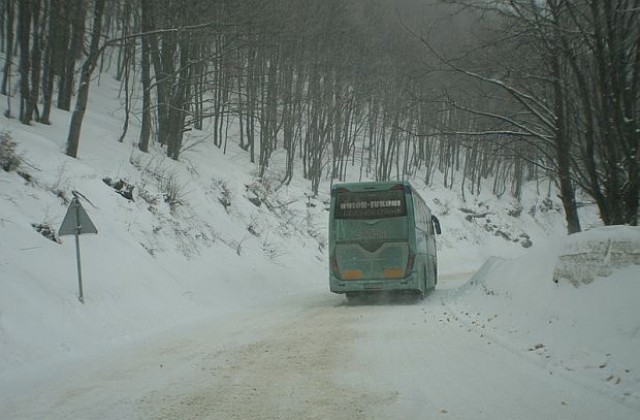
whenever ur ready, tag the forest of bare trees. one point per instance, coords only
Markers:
(509, 91)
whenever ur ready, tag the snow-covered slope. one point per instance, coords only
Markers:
(590, 331)
(172, 254)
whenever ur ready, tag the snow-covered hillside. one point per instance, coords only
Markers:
(171, 254)
(203, 237)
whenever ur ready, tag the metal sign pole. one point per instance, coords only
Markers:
(76, 222)
(80, 295)
(78, 230)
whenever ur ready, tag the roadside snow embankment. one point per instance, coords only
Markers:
(589, 333)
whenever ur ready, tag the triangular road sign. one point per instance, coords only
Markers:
(76, 220)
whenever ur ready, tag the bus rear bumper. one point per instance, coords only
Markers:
(372, 285)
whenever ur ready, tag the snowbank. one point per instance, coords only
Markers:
(597, 253)
(591, 332)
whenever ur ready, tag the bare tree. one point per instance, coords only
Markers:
(24, 36)
(145, 71)
(73, 139)
(9, 17)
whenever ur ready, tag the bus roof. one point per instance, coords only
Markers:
(370, 185)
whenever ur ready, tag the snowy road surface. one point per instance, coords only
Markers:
(314, 357)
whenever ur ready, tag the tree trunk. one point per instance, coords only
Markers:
(75, 31)
(563, 152)
(24, 35)
(48, 64)
(145, 70)
(10, 16)
(73, 140)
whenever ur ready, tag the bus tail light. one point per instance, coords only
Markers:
(393, 272)
(352, 274)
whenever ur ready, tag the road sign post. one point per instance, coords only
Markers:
(77, 222)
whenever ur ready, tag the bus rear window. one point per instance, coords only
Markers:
(370, 205)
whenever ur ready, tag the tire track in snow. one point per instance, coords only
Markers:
(293, 371)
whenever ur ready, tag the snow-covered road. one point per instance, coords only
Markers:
(313, 356)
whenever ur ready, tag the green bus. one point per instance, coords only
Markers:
(381, 239)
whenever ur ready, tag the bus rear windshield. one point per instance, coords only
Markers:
(370, 205)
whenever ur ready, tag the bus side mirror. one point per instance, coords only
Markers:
(436, 224)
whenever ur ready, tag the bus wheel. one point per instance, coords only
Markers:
(426, 282)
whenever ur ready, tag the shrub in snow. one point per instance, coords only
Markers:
(516, 211)
(264, 191)
(225, 198)
(173, 192)
(252, 227)
(9, 159)
(150, 198)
